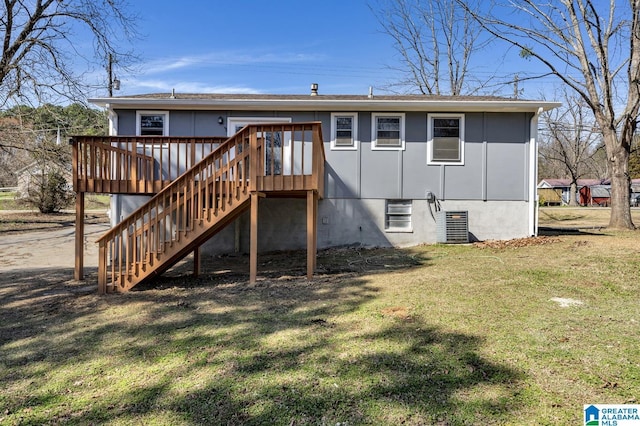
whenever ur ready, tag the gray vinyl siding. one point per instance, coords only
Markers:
(506, 164)
(381, 171)
(464, 182)
(126, 122)
(507, 156)
(342, 177)
(343, 170)
(496, 155)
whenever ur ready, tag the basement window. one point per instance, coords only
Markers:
(397, 216)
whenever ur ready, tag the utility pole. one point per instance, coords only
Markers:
(110, 73)
(114, 83)
(515, 87)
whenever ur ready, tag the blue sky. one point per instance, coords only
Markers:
(250, 46)
(278, 46)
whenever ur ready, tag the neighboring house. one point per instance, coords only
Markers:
(28, 178)
(595, 195)
(557, 191)
(635, 192)
(590, 192)
(390, 163)
(550, 193)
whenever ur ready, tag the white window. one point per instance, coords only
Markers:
(344, 130)
(397, 216)
(387, 131)
(445, 139)
(152, 123)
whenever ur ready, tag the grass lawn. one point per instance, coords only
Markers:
(9, 202)
(15, 216)
(442, 334)
(579, 217)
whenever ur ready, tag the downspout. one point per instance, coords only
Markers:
(115, 200)
(533, 174)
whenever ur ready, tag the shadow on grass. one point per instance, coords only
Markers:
(289, 265)
(554, 231)
(562, 217)
(282, 351)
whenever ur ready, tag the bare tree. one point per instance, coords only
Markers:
(40, 39)
(634, 158)
(436, 40)
(27, 134)
(570, 142)
(594, 48)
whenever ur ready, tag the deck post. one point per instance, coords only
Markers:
(196, 262)
(78, 272)
(102, 268)
(312, 232)
(253, 246)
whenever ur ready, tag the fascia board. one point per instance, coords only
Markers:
(324, 105)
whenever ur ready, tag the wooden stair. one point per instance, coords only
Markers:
(178, 219)
(223, 179)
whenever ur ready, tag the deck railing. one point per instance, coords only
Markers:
(136, 164)
(260, 158)
(293, 157)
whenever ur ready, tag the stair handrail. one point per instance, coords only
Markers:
(205, 162)
(247, 130)
(227, 174)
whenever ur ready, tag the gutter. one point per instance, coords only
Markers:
(320, 104)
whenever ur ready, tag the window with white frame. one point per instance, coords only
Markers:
(344, 130)
(152, 123)
(387, 131)
(445, 139)
(397, 217)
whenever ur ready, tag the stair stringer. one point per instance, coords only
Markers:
(177, 249)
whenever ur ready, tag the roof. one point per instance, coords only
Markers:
(600, 191)
(565, 183)
(321, 102)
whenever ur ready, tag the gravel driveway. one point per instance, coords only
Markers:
(48, 254)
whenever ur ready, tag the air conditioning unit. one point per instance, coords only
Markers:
(452, 227)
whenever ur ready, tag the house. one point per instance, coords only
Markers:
(29, 177)
(635, 193)
(590, 192)
(325, 170)
(557, 191)
(595, 195)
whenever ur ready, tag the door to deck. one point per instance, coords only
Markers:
(276, 145)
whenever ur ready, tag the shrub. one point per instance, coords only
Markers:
(49, 192)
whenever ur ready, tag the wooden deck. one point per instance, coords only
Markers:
(198, 186)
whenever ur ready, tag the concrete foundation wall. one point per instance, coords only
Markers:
(343, 222)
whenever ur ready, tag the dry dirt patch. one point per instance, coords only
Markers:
(517, 242)
(12, 222)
